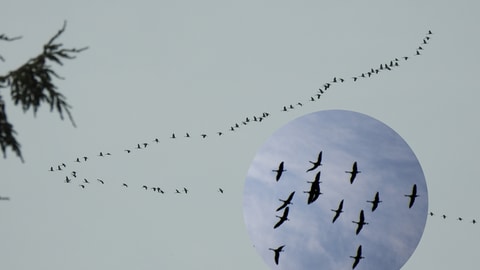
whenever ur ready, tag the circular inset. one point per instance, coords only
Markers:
(335, 190)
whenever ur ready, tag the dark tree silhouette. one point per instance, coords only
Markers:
(32, 85)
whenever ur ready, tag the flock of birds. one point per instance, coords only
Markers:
(373, 71)
(313, 194)
(314, 191)
(85, 182)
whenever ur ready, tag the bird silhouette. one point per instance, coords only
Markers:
(283, 218)
(375, 202)
(82, 186)
(186, 190)
(277, 253)
(85, 181)
(357, 257)
(144, 187)
(220, 190)
(317, 163)
(74, 173)
(286, 202)
(51, 169)
(177, 191)
(77, 160)
(444, 216)
(127, 150)
(360, 222)
(412, 196)
(204, 136)
(101, 181)
(337, 211)
(125, 185)
(474, 221)
(353, 172)
(314, 192)
(279, 171)
(173, 136)
(67, 180)
(460, 219)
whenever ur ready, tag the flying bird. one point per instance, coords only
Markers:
(412, 196)
(144, 187)
(338, 211)
(220, 190)
(360, 222)
(357, 257)
(186, 190)
(314, 192)
(100, 180)
(279, 171)
(317, 163)
(375, 202)
(277, 252)
(125, 185)
(282, 218)
(286, 202)
(353, 172)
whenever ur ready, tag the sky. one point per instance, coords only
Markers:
(154, 68)
(386, 164)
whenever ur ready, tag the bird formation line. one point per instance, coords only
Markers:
(314, 193)
(86, 183)
(388, 65)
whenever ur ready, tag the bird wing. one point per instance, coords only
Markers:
(337, 214)
(277, 255)
(279, 223)
(290, 197)
(412, 200)
(282, 206)
(362, 217)
(359, 228)
(317, 177)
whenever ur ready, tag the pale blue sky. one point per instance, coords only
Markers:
(157, 67)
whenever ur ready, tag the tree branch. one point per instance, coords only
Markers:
(32, 85)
